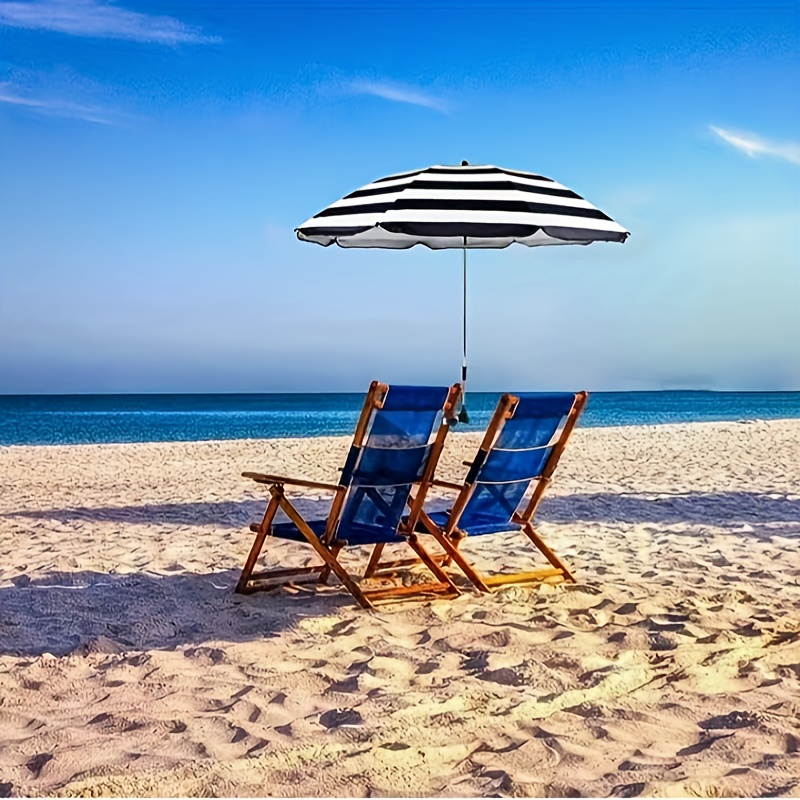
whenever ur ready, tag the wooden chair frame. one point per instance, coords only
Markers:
(328, 546)
(451, 536)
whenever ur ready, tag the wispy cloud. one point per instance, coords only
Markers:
(63, 93)
(99, 19)
(400, 93)
(753, 145)
(54, 107)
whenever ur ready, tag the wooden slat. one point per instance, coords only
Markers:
(374, 399)
(416, 502)
(386, 566)
(323, 552)
(405, 591)
(555, 454)
(447, 484)
(259, 477)
(450, 546)
(430, 563)
(282, 573)
(261, 532)
(522, 577)
(374, 560)
(537, 540)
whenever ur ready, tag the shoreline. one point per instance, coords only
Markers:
(348, 436)
(129, 667)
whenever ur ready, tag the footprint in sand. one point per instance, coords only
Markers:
(640, 764)
(627, 790)
(791, 743)
(207, 656)
(346, 686)
(735, 719)
(352, 683)
(37, 762)
(662, 641)
(176, 726)
(504, 676)
(703, 744)
(341, 718)
(346, 627)
(476, 661)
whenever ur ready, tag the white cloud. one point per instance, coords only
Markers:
(55, 107)
(753, 145)
(65, 94)
(399, 93)
(99, 19)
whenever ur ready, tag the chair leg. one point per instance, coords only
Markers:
(546, 551)
(444, 585)
(430, 562)
(255, 550)
(374, 560)
(451, 549)
(393, 566)
(322, 551)
(325, 572)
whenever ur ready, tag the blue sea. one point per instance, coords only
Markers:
(90, 419)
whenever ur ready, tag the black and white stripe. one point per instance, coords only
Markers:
(477, 206)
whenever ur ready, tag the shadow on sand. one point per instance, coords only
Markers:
(726, 509)
(720, 509)
(65, 612)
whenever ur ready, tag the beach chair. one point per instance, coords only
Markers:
(397, 442)
(505, 483)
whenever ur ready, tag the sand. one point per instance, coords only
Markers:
(129, 667)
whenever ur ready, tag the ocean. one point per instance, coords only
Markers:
(94, 419)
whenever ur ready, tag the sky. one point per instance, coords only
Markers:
(155, 158)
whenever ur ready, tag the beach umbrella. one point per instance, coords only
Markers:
(461, 207)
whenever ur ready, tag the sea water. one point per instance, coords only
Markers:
(91, 419)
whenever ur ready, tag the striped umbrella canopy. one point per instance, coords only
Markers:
(463, 207)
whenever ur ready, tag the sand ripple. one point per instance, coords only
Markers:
(129, 667)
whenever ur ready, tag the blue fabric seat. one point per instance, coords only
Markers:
(353, 534)
(398, 439)
(478, 528)
(501, 475)
(506, 480)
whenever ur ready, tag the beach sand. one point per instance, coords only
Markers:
(128, 666)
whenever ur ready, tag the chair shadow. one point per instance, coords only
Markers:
(65, 612)
(729, 509)
(81, 612)
(720, 509)
(225, 514)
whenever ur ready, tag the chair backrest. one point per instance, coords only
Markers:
(522, 445)
(397, 443)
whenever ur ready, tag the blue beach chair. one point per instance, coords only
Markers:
(505, 483)
(397, 442)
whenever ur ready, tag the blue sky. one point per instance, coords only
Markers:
(156, 156)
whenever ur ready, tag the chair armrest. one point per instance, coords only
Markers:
(447, 485)
(273, 479)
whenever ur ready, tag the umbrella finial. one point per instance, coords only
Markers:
(465, 163)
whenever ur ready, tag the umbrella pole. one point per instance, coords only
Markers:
(462, 414)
